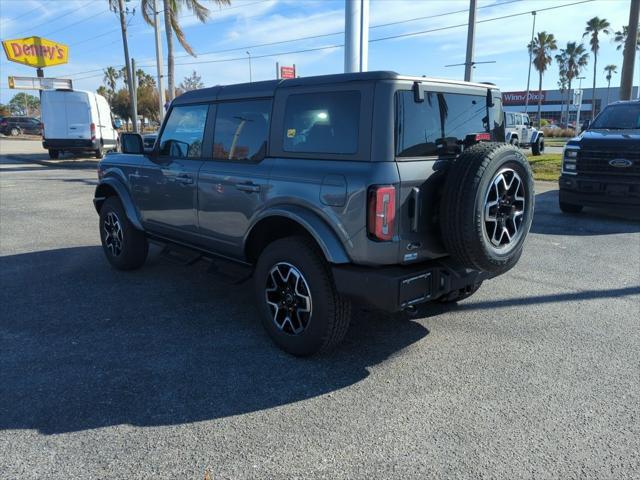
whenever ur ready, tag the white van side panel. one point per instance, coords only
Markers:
(104, 125)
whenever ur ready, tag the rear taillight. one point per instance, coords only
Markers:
(483, 136)
(93, 131)
(381, 212)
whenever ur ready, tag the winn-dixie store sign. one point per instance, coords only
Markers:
(36, 52)
(518, 98)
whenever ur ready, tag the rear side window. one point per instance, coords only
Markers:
(322, 122)
(241, 130)
(439, 124)
(182, 135)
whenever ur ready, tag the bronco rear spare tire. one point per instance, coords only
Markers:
(487, 207)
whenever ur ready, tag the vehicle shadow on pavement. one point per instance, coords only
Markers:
(84, 346)
(549, 220)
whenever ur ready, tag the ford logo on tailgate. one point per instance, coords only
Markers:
(620, 162)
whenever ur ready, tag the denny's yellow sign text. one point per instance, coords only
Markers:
(36, 52)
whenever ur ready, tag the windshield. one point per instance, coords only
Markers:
(625, 116)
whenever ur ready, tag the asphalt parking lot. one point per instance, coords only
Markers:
(165, 372)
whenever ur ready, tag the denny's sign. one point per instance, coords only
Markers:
(36, 52)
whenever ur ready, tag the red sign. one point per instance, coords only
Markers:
(518, 98)
(288, 72)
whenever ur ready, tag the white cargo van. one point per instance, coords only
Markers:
(77, 121)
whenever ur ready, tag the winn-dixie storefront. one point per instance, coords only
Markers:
(552, 101)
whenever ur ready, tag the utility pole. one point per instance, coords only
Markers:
(125, 44)
(356, 35)
(629, 52)
(471, 39)
(250, 74)
(533, 29)
(156, 26)
(134, 103)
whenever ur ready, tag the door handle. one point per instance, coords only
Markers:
(185, 179)
(248, 187)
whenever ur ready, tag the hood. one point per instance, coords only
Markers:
(608, 139)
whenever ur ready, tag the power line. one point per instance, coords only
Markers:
(63, 14)
(328, 47)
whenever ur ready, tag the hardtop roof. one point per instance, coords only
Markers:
(268, 88)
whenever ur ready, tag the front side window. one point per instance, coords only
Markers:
(439, 124)
(183, 132)
(322, 123)
(241, 131)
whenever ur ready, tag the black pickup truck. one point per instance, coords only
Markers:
(601, 167)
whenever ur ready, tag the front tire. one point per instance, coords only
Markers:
(124, 246)
(301, 309)
(98, 153)
(15, 132)
(54, 154)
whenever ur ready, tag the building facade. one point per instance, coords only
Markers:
(554, 103)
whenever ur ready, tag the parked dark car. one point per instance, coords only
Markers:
(601, 167)
(373, 188)
(18, 125)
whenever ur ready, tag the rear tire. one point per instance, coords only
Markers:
(54, 154)
(98, 153)
(301, 309)
(514, 142)
(570, 208)
(124, 246)
(15, 131)
(487, 207)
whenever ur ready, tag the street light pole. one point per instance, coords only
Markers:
(250, 75)
(533, 29)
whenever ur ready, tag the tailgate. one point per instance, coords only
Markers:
(421, 183)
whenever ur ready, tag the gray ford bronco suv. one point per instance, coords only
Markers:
(369, 188)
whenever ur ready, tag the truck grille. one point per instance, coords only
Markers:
(597, 162)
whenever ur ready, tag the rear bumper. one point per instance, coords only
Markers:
(617, 192)
(393, 288)
(70, 144)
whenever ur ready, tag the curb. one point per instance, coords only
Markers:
(84, 163)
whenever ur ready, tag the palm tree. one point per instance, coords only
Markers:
(576, 57)
(111, 76)
(171, 9)
(610, 69)
(620, 37)
(563, 81)
(540, 49)
(593, 29)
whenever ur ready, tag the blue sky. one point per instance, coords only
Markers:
(93, 35)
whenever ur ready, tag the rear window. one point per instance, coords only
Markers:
(439, 124)
(322, 123)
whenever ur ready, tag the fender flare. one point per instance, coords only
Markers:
(322, 233)
(536, 135)
(125, 198)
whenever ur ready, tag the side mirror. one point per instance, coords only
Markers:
(132, 143)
